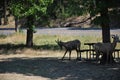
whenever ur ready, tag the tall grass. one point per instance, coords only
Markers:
(50, 39)
(16, 38)
(15, 43)
(40, 40)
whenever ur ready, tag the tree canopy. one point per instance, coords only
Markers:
(34, 8)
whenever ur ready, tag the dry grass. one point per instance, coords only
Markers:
(16, 38)
(42, 43)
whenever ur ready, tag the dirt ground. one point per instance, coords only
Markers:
(21, 67)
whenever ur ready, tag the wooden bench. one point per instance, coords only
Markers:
(116, 53)
(90, 53)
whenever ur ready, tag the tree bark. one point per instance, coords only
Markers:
(105, 33)
(105, 25)
(29, 40)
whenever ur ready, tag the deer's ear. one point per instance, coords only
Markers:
(56, 41)
(113, 36)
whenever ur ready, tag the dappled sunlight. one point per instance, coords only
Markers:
(17, 76)
(115, 68)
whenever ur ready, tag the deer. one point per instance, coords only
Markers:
(69, 46)
(106, 48)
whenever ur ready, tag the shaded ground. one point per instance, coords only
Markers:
(51, 68)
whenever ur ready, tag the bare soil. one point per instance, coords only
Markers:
(22, 67)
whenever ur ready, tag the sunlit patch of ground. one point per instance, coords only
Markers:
(16, 76)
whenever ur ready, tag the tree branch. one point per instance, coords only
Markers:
(72, 23)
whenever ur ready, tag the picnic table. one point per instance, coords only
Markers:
(90, 49)
(91, 52)
(89, 44)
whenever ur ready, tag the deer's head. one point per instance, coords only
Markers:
(59, 42)
(115, 38)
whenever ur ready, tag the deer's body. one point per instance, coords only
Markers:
(69, 46)
(108, 48)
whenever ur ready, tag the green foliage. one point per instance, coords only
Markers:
(74, 7)
(16, 9)
(34, 9)
(65, 8)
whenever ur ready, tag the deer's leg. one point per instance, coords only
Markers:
(107, 61)
(78, 54)
(64, 54)
(69, 55)
(97, 55)
(110, 57)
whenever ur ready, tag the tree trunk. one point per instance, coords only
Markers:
(5, 10)
(105, 25)
(0, 20)
(16, 24)
(105, 33)
(29, 40)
